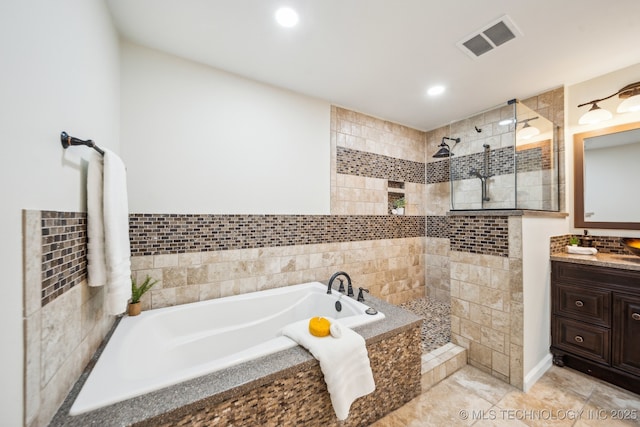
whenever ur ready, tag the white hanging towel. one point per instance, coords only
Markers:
(108, 249)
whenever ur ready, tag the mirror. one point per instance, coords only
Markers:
(605, 173)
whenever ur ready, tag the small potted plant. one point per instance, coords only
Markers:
(137, 292)
(573, 241)
(399, 206)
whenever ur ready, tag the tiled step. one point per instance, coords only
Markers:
(440, 363)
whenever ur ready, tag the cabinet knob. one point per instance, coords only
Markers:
(579, 303)
(578, 338)
(635, 316)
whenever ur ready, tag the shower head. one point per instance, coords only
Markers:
(445, 150)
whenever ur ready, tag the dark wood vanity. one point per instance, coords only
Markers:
(595, 321)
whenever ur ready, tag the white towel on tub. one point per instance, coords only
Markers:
(108, 250)
(344, 362)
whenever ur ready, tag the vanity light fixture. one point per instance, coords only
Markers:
(527, 131)
(631, 95)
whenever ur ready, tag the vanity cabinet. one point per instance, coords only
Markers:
(595, 322)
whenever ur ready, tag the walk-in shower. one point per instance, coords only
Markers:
(503, 158)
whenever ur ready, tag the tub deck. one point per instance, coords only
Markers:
(394, 349)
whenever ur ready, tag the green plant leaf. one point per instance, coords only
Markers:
(138, 291)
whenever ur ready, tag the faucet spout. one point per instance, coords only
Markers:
(334, 276)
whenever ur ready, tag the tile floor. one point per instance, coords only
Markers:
(562, 397)
(436, 324)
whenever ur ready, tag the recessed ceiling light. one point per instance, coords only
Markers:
(286, 17)
(435, 90)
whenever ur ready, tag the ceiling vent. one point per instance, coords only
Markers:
(489, 37)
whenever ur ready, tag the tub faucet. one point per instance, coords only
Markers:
(349, 286)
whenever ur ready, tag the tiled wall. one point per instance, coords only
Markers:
(156, 234)
(486, 297)
(551, 106)
(64, 248)
(487, 235)
(533, 160)
(604, 244)
(367, 153)
(65, 319)
(476, 261)
(391, 268)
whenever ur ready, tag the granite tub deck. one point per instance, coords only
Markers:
(285, 388)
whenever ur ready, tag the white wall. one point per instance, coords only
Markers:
(536, 274)
(200, 140)
(60, 71)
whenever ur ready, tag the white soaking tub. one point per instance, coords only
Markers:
(166, 346)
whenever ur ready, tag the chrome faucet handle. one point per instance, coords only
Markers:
(361, 295)
(341, 287)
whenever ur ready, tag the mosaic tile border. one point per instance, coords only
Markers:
(534, 157)
(531, 157)
(438, 226)
(362, 163)
(486, 235)
(155, 234)
(438, 172)
(604, 244)
(64, 237)
(64, 249)
(501, 162)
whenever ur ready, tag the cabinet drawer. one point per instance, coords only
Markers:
(589, 341)
(579, 303)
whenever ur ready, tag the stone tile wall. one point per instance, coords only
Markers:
(487, 307)
(63, 327)
(391, 269)
(550, 105)
(367, 153)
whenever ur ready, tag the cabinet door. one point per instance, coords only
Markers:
(626, 351)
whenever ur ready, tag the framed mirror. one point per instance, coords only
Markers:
(606, 176)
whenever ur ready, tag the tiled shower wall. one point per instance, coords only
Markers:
(438, 185)
(372, 158)
(475, 261)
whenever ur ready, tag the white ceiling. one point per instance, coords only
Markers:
(380, 56)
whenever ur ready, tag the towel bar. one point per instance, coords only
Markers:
(68, 140)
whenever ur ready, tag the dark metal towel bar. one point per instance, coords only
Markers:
(68, 140)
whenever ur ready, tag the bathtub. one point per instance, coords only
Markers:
(166, 346)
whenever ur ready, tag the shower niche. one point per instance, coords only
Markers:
(503, 158)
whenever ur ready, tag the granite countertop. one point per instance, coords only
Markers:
(509, 212)
(625, 262)
(228, 382)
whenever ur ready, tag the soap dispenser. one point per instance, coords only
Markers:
(586, 241)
